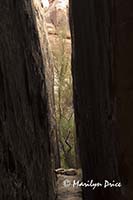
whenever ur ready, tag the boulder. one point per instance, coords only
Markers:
(70, 172)
(67, 172)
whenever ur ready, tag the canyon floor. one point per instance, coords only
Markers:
(65, 188)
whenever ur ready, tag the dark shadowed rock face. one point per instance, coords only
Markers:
(102, 103)
(25, 167)
(123, 75)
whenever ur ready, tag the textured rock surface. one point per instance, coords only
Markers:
(57, 14)
(25, 168)
(94, 103)
(123, 77)
(67, 192)
(57, 22)
(39, 14)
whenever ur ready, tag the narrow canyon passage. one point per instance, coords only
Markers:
(46, 113)
(55, 19)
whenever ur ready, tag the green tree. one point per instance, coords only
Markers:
(63, 98)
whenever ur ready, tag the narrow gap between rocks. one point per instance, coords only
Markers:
(65, 156)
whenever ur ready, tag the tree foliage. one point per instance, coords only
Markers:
(63, 99)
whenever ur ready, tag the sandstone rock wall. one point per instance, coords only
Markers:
(57, 22)
(25, 167)
(39, 13)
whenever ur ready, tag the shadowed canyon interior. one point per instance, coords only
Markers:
(102, 78)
